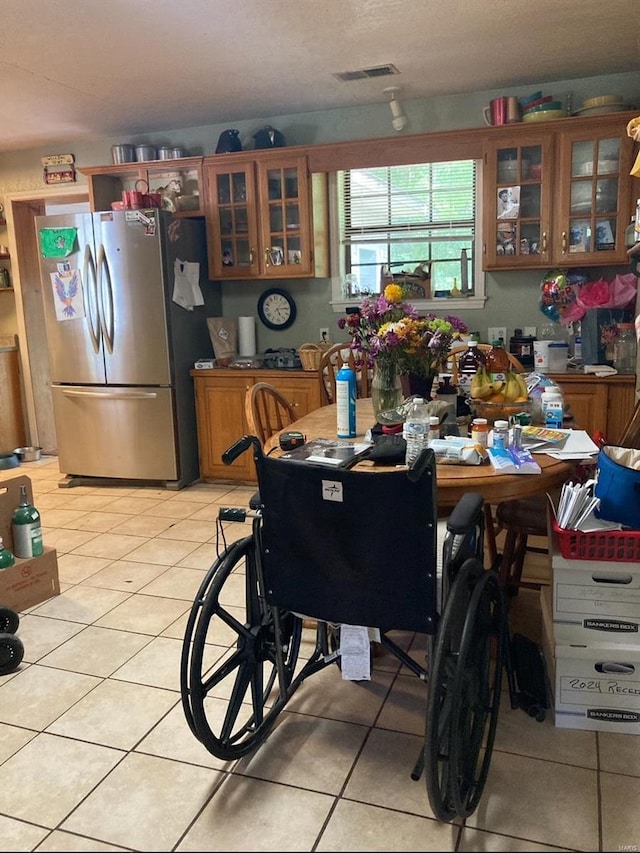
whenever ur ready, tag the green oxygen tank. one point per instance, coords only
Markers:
(6, 557)
(27, 529)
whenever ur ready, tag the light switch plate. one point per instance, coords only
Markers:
(496, 332)
(530, 331)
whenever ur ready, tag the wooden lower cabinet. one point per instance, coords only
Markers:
(599, 404)
(221, 420)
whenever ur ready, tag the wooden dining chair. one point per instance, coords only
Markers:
(331, 361)
(267, 411)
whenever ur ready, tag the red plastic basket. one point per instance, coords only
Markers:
(621, 546)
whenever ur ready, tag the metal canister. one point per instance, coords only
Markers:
(146, 152)
(123, 153)
(4, 278)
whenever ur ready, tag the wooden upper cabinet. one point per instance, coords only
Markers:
(571, 193)
(594, 195)
(178, 181)
(267, 217)
(517, 200)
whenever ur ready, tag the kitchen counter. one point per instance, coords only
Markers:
(600, 404)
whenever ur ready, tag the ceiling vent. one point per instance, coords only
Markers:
(364, 73)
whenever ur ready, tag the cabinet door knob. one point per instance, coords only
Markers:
(564, 242)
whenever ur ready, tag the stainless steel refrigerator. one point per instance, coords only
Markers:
(120, 347)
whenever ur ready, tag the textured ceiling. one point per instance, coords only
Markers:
(85, 69)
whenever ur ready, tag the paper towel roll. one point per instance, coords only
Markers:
(246, 335)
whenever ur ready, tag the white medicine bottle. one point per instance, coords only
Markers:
(552, 407)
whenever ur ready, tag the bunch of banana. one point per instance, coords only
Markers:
(511, 389)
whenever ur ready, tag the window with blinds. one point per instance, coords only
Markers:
(399, 217)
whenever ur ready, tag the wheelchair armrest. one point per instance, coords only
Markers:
(466, 514)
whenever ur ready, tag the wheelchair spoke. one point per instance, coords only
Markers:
(244, 676)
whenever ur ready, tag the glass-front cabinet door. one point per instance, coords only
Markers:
(232, 221)
(594, 197)
(517, 201)
(284, 216)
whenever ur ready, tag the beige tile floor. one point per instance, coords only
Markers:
(95, 752)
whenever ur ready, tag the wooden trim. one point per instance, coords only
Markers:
(394, 151)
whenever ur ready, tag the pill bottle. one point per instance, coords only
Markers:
(501, 434)
(480, 431)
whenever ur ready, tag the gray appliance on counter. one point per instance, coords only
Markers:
(120, 347)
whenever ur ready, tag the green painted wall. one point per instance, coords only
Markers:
(512, 296)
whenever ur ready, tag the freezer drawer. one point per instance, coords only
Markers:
(125, 433)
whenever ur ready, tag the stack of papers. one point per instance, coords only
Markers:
(577, 443)
(577, 507)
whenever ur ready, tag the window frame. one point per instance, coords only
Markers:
(475, 302)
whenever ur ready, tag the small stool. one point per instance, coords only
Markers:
(520, 519)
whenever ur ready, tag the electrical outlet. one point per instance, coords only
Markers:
(497, 333)
(530, 331)
(324, 335)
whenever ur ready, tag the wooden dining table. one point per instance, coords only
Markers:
(453, 480)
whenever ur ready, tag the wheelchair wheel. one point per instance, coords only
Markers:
(476, 694)
(11, 653)
(437, 753)
(250, 650)
(464, 692)
(9, 620)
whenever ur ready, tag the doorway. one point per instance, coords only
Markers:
(21, 208)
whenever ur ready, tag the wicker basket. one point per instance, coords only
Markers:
(310, 355)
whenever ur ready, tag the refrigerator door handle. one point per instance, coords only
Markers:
(105, 284)
(112, 395)
(89, 276)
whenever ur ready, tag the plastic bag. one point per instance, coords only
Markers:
(618, 293)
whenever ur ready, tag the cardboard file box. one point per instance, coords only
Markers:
(595, 602)
(28, 582)
(595, 326)
(597, 688)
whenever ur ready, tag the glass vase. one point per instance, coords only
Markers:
(386, 387)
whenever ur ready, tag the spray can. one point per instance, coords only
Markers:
(346, 402)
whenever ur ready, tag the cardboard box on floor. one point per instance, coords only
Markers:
(31, 581)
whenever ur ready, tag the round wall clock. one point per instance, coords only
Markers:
(277, 309)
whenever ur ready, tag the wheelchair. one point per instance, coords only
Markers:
(359, 548)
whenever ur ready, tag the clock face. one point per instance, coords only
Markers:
(276, 309)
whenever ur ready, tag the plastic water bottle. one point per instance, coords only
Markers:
(27, 529)
(346, 402)
(416, 429)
